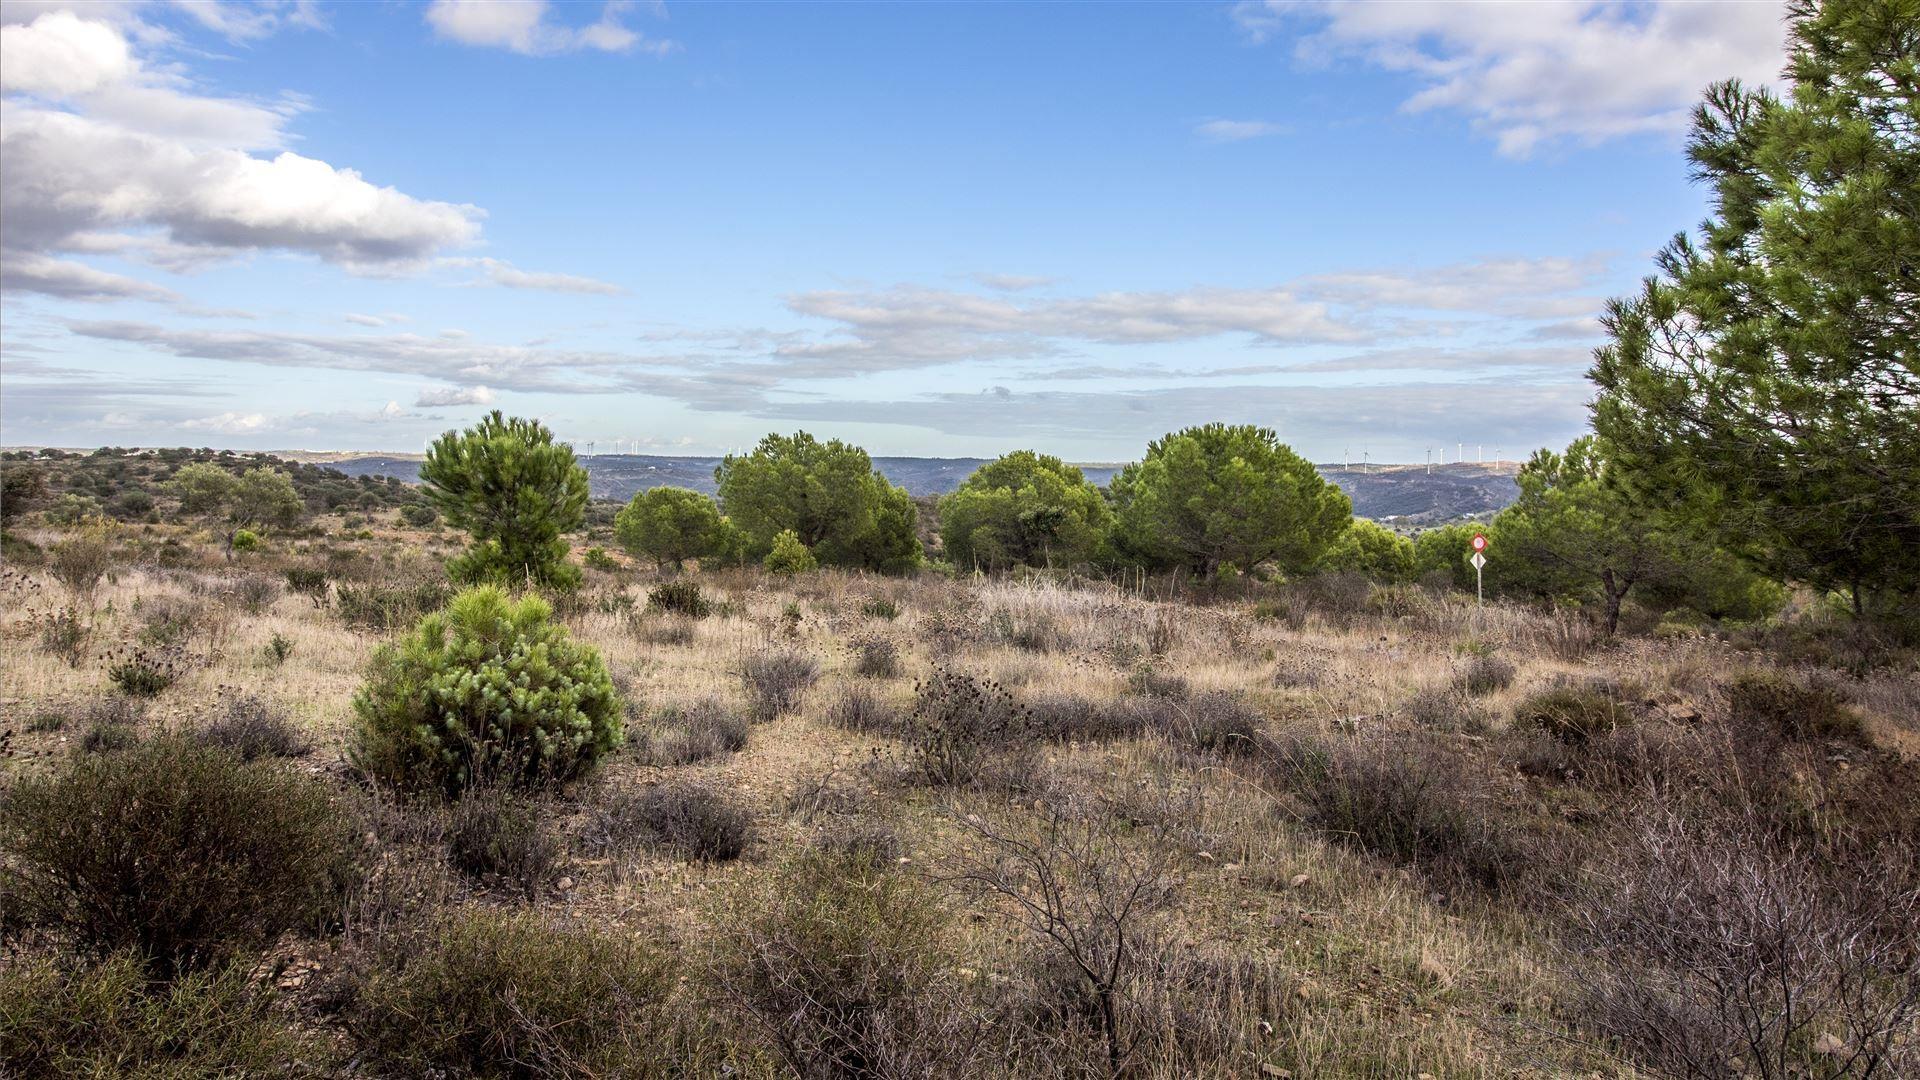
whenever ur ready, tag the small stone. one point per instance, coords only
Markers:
(1269, 1069)
(1298, 881)
(1300, 992)
(1433, 970)
(564, 884)
(1829, 1045)
(1207, 855)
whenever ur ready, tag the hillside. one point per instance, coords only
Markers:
(1410, 494)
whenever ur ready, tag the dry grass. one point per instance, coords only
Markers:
(1290, 947)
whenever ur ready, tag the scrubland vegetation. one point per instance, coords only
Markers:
(1194, 776)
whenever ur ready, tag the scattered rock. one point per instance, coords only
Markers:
(1298, 881)
(1829, 1045)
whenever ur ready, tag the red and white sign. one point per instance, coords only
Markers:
(1479, 542)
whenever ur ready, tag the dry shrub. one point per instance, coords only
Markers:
(1070, 718)
(503, 994)
(688, 819)
(79, 564)
(60, 1017)
(1446, 708)
(180, 851)
(1484, 674)
(1723, 948)
(682, 735)
(856, 708)
(252, 727)
(310, 582)
(1574, 712)
(775, 679)
(1404, 799)
(498, 837)
(1216, 722)
(1083, 891)
(384, 607)
(1791, 709)
(1149, 682)
(144, 671)
(966, 730)
(1398, 602)
(680, 596)
(1029, 631)
(838, 964)
(875, 658)
(860, 841)
(255, 593)
(65, 634)
(828, 793)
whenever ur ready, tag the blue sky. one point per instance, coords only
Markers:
(932, 229)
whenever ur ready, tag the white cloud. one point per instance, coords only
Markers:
(106, 154)
(1013, 282)
(510, 276)
(29, 272)
(1237, 130)
(443, 396)
(228, 423)
(523, 26)
(1533, 73)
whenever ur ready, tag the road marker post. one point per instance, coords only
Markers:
(1479, 561)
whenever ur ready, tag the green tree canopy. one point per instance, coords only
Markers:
(1227, 496)
(507, 483)
(1767, 377)
(251, 501)
(671, 525)
(1023, 508)
(1445, 549)
(1370, 548)
(828, 494)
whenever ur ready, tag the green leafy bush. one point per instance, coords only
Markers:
(178, 850)
(489, 686)
(61, 1018)
(500, 994)
(788, 555)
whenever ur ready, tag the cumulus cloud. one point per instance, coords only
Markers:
(108, 155)
(22, 271)
(524, 26)
(1531, 74)
(227, 423)
(1237, 130)
(443, 396)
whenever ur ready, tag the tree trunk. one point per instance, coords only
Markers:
(1615, 593)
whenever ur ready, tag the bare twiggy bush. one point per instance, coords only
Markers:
(775, 679)
(497, 836)
(967, 730)
(875, 658)
(252, 727)
(80, 564)
(827, 793)
(1070, 718)
(65, 633)
(254, 593)
(682, 735)
(1482, 674)
(1446, 708)
(1084, 891)
(841, 969)
(1724, 949)
(856, 708)
(688, 819)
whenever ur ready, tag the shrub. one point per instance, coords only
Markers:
(253, 728)
(245, 540)
(1446, 708)
(964, 730)
(789, 556)
(1218, 722)
(1402, 799)
(388, 607)
(775, 679)
(839, 967)
(279, 647)
(178, 850)
(1069, 718)
(596, 558)
(879, 607)
(684, 735)
(1030, 633)
(875, 658)
(108, 733)
(1573, 713)
(504, 994)
(1484, 674)
(144, 671)
(856, 708)
(61, 1018)
(1150, 683)
(80, 564)
(1789, 709)
(1722, 948)
(681, 596)
(419, 515)
(689, 819)
(65, 634)
(309, 582)
(497, 836)
(256, 592)
(1397, 601)
(489, 686)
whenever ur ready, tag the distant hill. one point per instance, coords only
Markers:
(1403, 494)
